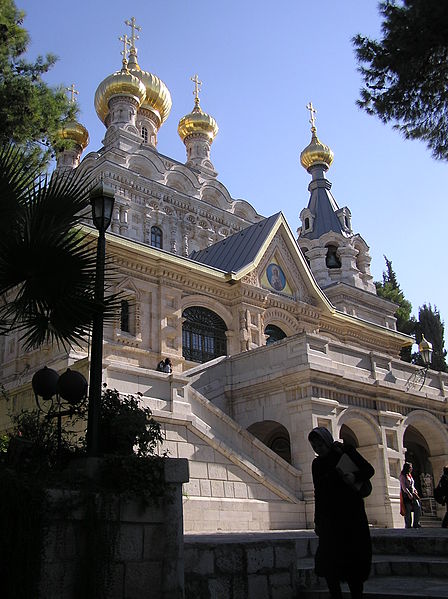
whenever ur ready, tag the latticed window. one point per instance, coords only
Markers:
(274, 334)
(145, 135)
(124, 316)
(203, 335)
(156, 237)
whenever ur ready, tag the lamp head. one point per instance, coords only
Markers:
(425, 349)
(102, 200)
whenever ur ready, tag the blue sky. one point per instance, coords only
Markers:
(261, 62)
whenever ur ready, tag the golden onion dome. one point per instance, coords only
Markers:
(158, 98)
(121, 83)
(316, 153)
(198, 121)
(74, 131)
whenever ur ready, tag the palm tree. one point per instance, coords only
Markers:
(47, 262)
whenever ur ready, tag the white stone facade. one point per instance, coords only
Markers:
(337, 366)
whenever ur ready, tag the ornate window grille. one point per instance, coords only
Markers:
(203, 335)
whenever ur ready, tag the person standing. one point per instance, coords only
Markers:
(442, 492)
(409, 499)
(345, 551)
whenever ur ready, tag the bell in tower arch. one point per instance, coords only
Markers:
(332, 259)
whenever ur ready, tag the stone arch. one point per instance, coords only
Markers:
(364, 426)
(207, 302)
(204, 334)
(282, 319)
(216, 195)
(244, 210)
(182, 180)
(425, 443)
(274, 435)
(150, 167)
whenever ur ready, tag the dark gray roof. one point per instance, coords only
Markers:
(323, 206)
(238, 250)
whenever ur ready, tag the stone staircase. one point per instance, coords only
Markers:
(406, 563)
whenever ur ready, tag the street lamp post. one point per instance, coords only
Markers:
(102, 202)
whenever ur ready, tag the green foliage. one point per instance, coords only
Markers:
(405, 73)
(47, 266)
(432, 327)
(124, 424)
(31, 112)
(390, 289)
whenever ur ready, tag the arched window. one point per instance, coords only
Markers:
(332, 260)
(275, 436)
(274, 334)
(156, 237)
(145, 135)
(203, 335)
(307, 223)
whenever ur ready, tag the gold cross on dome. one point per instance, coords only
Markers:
(134, 27)
(197, 87)
(73, 92)
(124, 38)
(313, 111)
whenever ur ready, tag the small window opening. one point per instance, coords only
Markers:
(332, 260)
(145, 135)
(156, 237)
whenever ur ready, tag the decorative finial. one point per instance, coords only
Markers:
(124, 38)
(73, 92)
(197, 88)
(134, 27)
(313, 111)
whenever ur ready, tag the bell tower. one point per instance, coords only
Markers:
(333, 251)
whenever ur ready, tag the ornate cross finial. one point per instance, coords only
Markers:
(124, 38)
(73, 92)
(197, 88)
(313, 111)
(134, 27)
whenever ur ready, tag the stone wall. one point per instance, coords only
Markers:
(145, 553)
(264, 569)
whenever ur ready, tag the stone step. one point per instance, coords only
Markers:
(390, 588)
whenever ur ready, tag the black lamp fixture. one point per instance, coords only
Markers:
(425, 352)
(102, 201)
(62, 395)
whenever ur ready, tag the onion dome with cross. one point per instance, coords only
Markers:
(121, 84)
(316, 153)
(198, 130)
(73, 132)
(158, 98)
(197, 121)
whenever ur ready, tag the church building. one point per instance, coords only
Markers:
(270, 332)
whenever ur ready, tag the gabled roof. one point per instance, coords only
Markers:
(237, 251)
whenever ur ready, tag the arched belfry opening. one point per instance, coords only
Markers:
(203, 335)
(275, 436)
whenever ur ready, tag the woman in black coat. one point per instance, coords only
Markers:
(344, 552)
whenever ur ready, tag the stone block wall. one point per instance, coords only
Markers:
(144, 557)
(265, 569)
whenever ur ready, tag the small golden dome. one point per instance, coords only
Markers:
(316, 153)
(198, 121)
(74, 131)
(121, 83)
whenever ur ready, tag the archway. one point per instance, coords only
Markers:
(417, 452)
(274, 435)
